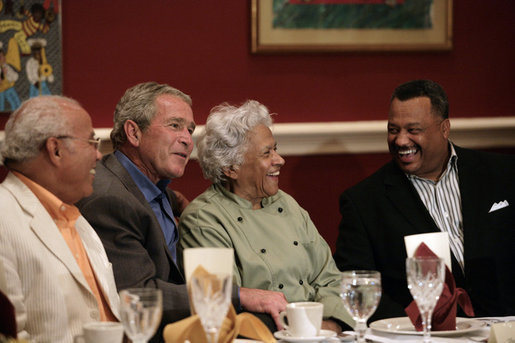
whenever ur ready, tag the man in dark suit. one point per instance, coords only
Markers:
(131, 205)
(432, 185)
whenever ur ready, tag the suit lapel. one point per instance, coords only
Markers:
(404, 197)
(113, 165)
(44, 227)
(471, 183)
(99, 263)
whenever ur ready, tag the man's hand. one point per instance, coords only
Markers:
(258, 300)
(331, 325)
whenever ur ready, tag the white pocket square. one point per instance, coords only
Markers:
(498, 205)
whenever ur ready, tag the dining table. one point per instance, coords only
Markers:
(469, 330)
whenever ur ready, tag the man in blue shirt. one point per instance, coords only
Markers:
(156, 196)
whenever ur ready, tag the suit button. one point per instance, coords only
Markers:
(280, 209)
(281, 286)
(295, 243)
(240, 219)
(301, 282)
(263, 251)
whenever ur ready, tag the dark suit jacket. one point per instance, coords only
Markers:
(133, 238)
(378, 212)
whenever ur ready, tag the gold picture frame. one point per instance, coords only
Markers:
(265, 38)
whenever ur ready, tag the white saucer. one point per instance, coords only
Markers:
(403, 326)
(285, 336)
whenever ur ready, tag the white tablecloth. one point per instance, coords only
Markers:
(480, 335)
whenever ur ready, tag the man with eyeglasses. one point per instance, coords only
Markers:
(433, 185)
(57, 273)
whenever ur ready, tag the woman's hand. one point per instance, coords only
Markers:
(263, 301)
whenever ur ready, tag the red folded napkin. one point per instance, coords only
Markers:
(444, 314)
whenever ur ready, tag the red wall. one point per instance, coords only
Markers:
(202, 47)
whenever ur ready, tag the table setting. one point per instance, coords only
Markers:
(431, 317)
(208, 273)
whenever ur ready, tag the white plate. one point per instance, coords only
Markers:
(403, 326)
(285, 336)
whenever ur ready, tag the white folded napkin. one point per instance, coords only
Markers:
(438, 242)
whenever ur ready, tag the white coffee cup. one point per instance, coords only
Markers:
(304, 318)
(100, 332)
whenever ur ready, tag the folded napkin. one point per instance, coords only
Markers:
(444, 314)
(243, 324)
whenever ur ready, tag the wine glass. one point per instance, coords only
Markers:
(361, 292)
(426, 276)
(211, 297)
(140, 311)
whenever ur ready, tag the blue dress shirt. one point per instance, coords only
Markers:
(156, 196)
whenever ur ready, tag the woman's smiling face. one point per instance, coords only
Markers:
(258, 176)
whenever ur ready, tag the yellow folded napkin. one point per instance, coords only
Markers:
(243, 324)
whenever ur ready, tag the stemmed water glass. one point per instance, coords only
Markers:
(140, 311)
(211, 297)
(361, 292)
(426, 276)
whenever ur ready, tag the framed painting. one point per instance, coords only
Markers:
(30, 51)
(350, 25)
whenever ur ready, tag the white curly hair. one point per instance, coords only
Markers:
(224, 141)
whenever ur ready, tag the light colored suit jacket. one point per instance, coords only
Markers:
(43, 280)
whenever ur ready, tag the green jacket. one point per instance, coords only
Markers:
(276, 248)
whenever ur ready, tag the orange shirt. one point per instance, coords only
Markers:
(65, 216)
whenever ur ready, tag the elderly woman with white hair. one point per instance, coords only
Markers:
(276, 245)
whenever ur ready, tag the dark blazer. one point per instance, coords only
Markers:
(133, 238)
(379, 211)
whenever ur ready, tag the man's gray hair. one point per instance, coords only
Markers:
(28, 128)
(139, 105)
(225, 138)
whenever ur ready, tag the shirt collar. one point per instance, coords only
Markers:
(454, 157)
(451, 164)
(54, 206)
(244, 203)
(148, 188)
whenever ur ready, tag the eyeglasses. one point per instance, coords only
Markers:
(94, 141)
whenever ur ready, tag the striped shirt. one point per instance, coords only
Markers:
(442, 199)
